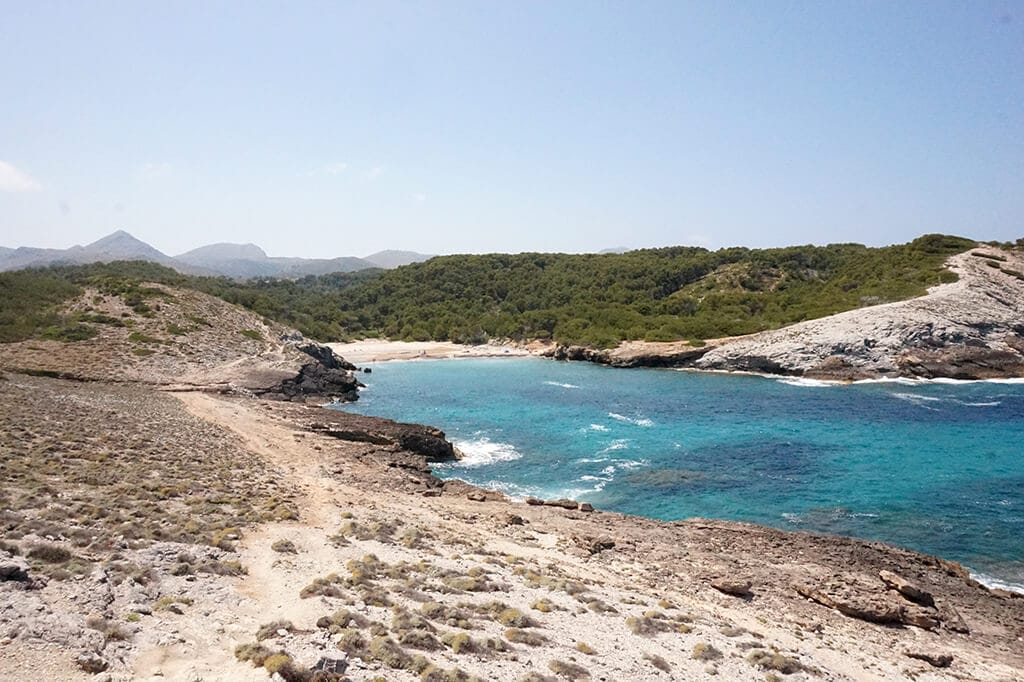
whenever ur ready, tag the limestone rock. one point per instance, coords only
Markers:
(595, 545)
(91, 662)
(907, 588)
(732, 586)
(931, 658)
(13, 568)
(563, 503)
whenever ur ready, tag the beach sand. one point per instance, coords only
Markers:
(379, 350)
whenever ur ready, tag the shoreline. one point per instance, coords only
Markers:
(371, 351)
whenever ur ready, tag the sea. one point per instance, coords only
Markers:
(934, 466)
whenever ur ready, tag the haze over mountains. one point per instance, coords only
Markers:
(241, 261)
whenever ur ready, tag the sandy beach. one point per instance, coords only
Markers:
(380, 350)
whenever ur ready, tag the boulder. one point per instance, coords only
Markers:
(563, 503)
(595, 545)
(91, 662)
(586, 507)
(872, 607)
(733, 586)
(907, 588)
(13, 568)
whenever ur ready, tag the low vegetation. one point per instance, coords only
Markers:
(592, 299)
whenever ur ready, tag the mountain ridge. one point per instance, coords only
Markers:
(237, 261)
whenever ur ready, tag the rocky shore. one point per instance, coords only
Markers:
(154, 528)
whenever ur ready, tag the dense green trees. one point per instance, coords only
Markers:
(598, 300)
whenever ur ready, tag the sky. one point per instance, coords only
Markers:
(323, 129)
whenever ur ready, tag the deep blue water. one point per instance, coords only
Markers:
(937, 467)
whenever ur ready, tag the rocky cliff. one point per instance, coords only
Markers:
(969, 329)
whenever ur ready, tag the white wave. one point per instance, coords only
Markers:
(617, 444)
(793, 518)
(598, 427)
(810, 383)
(513, 490)
(919, 400)
(484, 451)
(994, 403)
(560, 385)
(913, 397)
(631, 463)
(592, 460)
(905, 381)
(997, 584)
(638, 421)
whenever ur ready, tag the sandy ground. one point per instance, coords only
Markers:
(377, 350)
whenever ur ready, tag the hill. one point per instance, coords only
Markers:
(599, 300)
(394, 259)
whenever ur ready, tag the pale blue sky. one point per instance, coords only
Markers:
(327, 129)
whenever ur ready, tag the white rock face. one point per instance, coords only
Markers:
(972, 328)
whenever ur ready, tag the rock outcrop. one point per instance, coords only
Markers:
(425, 441)
(969, 329)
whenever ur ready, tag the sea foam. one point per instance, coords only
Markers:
(560, 385)
(484, 451)
(638, 421)
(997, 584)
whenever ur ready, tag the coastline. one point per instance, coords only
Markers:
(382, 350)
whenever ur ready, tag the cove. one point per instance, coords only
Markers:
(935, 467)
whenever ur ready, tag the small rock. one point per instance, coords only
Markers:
(732, 586)
(533, 501)
(595, 545)
(91, 663)
(13, 568)
(514, 520)
(433, 492)
(931, 658)
(476, 496)
(586, 507)
(564, 503)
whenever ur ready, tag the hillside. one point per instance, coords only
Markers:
(599, 300)
(117, 328)
(969, 329)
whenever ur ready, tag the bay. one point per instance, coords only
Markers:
(936, 467)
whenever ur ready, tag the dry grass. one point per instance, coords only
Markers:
(161, 475)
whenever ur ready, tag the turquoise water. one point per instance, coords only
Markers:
(937, 467)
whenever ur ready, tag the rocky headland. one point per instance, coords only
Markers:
(179, 515)
(969, 329)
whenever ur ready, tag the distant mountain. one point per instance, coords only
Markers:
(215, 253)
(394, 259)
(118, 245)
(239, 261)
